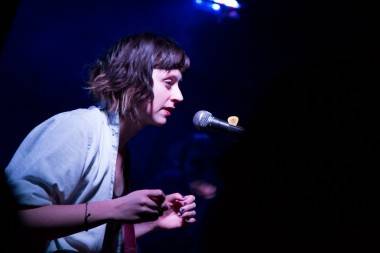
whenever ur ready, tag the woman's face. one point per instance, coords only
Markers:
(166, 94)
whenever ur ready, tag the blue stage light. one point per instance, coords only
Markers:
(229, 3)
(224, 8)
(215, 7)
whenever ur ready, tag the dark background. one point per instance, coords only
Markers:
(302, 77)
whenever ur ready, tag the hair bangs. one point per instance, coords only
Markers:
(172, 59)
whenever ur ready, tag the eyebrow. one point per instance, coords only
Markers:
(177, 78)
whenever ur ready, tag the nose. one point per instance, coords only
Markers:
(177, 94)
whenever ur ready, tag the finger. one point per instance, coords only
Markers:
(157, 195)
(175, 205)
(164, 206)
(174, 201)
(188, 199)
(189, 214)
(148, 202)
(187, 207)
(156, 206)
(191, 220)
(174, 196)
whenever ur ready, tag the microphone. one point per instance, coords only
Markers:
(204, 120)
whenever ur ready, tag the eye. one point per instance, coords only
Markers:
(168, 83)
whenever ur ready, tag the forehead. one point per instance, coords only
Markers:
(163, 73)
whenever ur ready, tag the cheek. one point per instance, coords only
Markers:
(155, 105)
(160, 97)
(148, 108)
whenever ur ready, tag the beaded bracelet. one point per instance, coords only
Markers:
(86, 215)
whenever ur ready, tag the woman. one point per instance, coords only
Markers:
(69, 174)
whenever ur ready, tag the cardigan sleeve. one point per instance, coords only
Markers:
(48, 165)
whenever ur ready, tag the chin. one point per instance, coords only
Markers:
(159, 122)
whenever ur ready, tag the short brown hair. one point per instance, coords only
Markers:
(122, 79)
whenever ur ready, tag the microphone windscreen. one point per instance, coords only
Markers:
(201, 118)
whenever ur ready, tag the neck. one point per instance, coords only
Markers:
(128, 129)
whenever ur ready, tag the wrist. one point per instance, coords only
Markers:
(145, 227)
(101, 210)
(113, 211)
(153, 225)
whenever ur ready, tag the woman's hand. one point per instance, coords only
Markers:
(139, 206)
(180, 211)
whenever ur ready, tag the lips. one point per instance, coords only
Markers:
(168, 110)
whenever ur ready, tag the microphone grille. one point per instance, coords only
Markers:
(201, 119)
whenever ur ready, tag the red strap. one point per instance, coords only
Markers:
(129, 238)
(128, 229)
